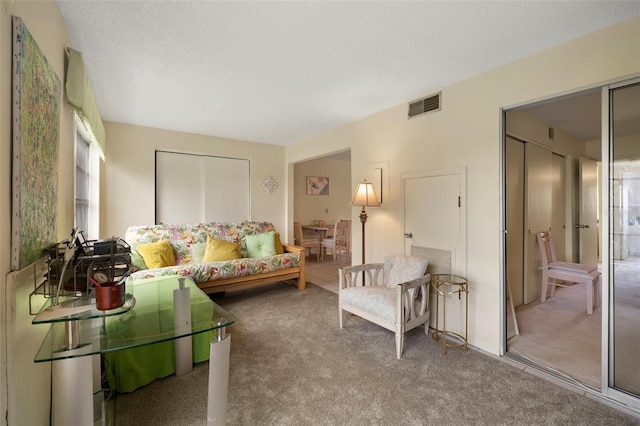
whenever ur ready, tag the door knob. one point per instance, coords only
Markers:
(408, 235)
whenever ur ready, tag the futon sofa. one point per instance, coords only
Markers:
(251, 253)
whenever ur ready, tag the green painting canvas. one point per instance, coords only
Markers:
(36, 131)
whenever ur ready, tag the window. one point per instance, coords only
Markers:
(87, 185)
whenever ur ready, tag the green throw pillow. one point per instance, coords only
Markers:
(197, 252)
(261, 245)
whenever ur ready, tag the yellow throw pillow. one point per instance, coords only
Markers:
(279, 247)
(219, 250)
(157, 255)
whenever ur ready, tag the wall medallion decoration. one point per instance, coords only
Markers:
(269, 185)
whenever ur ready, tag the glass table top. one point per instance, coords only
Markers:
(145, 318)
(449, 279)
(70, 308)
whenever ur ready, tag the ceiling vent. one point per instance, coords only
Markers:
(421, 106)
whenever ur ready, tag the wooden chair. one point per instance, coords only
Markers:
(553, 270)
(340, 242)
(307, 243)
(395, 295)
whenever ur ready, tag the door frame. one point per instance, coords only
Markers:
(607, 315)
(621, 400)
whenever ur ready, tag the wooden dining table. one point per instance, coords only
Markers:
(322, 230)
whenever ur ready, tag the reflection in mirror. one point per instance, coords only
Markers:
(624, 235)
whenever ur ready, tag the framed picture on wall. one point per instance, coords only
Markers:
(317, 185)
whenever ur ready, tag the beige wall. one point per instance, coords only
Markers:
(529, 128)
(127, 192)
(45, 24)
(626, 147)
(466, 133)
(329, 208)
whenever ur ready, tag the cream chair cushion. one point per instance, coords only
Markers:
(377, 300)
(399, 268)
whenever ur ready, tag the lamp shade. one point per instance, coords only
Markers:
(365, 196)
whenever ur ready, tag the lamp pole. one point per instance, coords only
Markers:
(363, 220)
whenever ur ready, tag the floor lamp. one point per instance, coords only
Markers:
(364, 196)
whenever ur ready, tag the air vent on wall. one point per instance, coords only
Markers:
(421, 106)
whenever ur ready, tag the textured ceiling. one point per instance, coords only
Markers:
(280, 72)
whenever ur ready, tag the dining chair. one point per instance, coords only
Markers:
(553, 270)
(307, 243)
(340, 242)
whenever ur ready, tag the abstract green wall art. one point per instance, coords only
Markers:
(36, 131)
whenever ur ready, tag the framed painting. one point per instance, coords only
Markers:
(317, 185)
(36, 130)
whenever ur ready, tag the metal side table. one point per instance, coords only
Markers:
(445, 285)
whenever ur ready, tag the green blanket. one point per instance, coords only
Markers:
(128, 369)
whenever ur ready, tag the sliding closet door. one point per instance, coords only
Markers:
(539, 172)
(623, 275)
(514, 192)
(199, 188)
(179, 188)
(559, 205)
(226, 189)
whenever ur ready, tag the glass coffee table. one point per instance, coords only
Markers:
(154, 310)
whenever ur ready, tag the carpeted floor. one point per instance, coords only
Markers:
(292, 365)
(561, 335)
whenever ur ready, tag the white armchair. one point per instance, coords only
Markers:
(395, 294)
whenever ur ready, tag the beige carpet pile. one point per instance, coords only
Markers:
(292, 365)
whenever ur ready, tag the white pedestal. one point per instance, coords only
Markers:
(182, 324)
(218, 380)
(72, 393)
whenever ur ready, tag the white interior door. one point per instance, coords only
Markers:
(538, 164)
(435, 214)
(587, 226)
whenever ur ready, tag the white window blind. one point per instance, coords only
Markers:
(87, 193)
